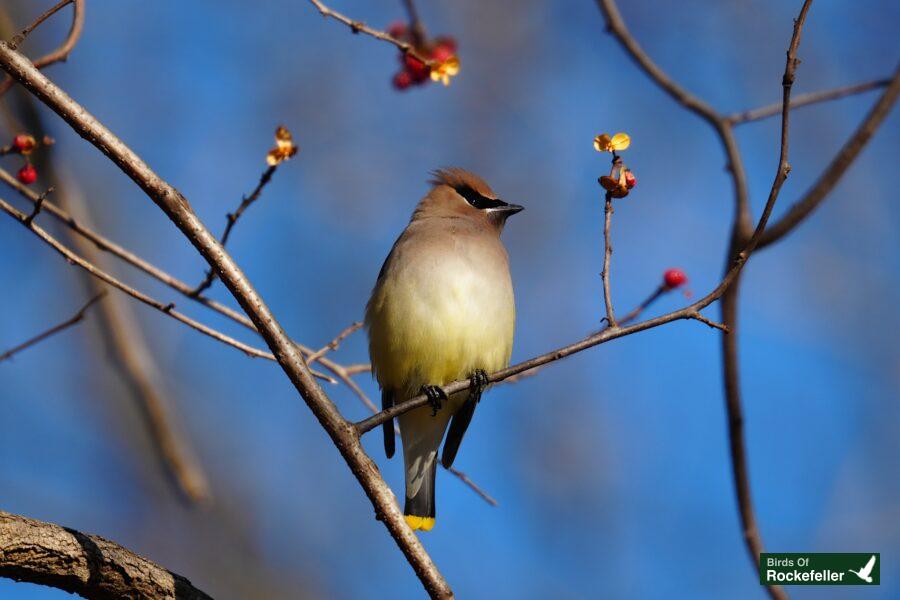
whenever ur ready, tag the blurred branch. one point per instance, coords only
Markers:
(77, 318)
(232, 219)
(360, 27)
(771, 110)
(837, 167)
(87, 565)
(20, 37)
(415, 23)
(289, 356)
(63, 51)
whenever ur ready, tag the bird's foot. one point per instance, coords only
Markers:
(478, 381)
(436, 396)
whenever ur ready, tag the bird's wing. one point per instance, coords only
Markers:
(387, 401)
(458, 427)
(867, 570)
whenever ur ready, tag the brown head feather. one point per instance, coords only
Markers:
(457, 178)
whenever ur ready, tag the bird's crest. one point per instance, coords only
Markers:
(460, 179)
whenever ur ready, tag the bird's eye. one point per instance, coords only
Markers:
(477, 200)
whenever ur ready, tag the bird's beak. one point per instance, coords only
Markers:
(506, 210)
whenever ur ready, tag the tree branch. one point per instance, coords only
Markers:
(83, 564)
(837, 167)
(61, 53)
(179, 211)
(232, 218)
(360, 27)
(771, 110)
(77, 318)
(607, 253)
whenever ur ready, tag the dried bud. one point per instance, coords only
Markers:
(630, 179)
(284, 147)
(24, 143)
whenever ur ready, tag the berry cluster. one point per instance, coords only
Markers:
(442, 50)
(24, 144)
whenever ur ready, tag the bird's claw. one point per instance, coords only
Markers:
(478, 380)
(436, 396)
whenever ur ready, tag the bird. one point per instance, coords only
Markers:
(866, 572)
(442, 309)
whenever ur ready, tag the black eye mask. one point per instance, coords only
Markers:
(477, 200)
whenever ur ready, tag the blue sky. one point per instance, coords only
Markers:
(610, 467)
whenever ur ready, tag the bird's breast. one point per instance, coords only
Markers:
(436, 316)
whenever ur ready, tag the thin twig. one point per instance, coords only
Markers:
(333, 344)
(20, 37)
(465, 479)
(63, 51)
(607, 253)
(360, 27)
(232, 218)
(771, 110)
(38, 204)
(711, 323)
(76, 318)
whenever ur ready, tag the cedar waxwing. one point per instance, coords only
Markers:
(442, 309)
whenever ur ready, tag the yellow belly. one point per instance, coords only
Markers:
(431, 326)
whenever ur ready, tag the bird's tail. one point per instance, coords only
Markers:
(422, 435)
(419, 508)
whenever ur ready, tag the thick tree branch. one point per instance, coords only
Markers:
(771, 110)
(63, 51)
(87, 565)
(76, 318)
(179, 211)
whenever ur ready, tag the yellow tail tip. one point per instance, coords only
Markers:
(416, 523)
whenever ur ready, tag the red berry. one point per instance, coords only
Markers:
(402, 80)
(442, 52)
(674, 278)
(630, 180)
(416, 68)
(398, 29)
(27, 174)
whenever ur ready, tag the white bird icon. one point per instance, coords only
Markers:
(866, 572)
